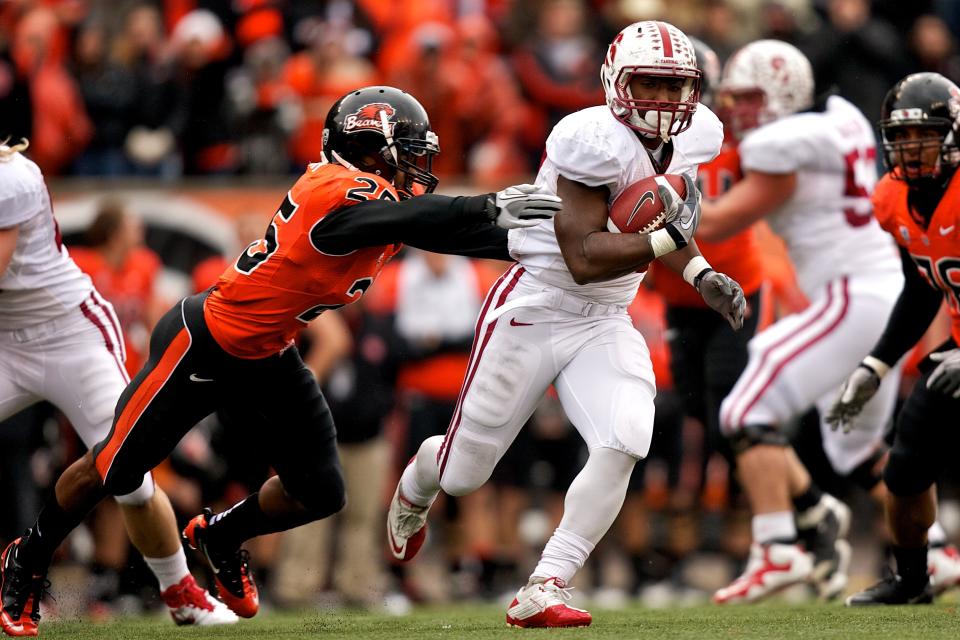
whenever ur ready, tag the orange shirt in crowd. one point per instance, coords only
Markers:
(130, 289)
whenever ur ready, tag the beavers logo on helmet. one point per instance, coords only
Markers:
(367, 118)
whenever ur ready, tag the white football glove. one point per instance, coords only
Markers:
(521, 206)
(683, 216)
(855, 392)
(946, 377)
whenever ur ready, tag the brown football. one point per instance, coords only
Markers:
(638, 208)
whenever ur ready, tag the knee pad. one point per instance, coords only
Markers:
(869, 473)
(140, 496)
(751, 435)
(469, 464)
(907, 474)
(322, 492)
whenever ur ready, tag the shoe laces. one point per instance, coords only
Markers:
(555, 592)
(20, 584)
(194, 595)
(232, 569)
(410, 517)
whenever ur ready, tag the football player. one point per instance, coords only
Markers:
(918, 203)
(60, 341)
(233, 344)
(558, 316)
(809, 168)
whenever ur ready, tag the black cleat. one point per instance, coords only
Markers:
(891, 590)
(823, 529)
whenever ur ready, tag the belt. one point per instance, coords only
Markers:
(35, 331)
(558, 299)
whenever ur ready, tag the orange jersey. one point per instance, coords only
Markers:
(737, 256)
(282, 282)
(936, 248)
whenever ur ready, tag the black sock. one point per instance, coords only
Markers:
(807, 499)
(239, 523)
(912, 567)
(52, 528)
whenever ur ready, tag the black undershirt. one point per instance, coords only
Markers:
(441, 224)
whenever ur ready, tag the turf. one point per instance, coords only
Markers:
(483, 622)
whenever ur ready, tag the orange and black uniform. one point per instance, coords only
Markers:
(232, 346)
(706, 355)
(926, 225)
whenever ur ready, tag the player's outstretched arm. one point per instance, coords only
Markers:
(467, 225)
(745, 203)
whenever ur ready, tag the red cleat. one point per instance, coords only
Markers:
(231, 568)
(189, 603)
(771, 568)
(406, 527)
(21, 592)
(542, 604)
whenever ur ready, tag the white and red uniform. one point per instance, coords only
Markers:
(538, 327)
(59, 340)
(846, 266)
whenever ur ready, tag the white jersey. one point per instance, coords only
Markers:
(594, 148)
(41, 282)
(828, 224)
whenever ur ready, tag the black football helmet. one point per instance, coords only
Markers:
(385, 131)
(709, 64)
(931, 103)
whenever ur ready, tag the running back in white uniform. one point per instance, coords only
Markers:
(594, 148)
(846, 265)
(59, 340)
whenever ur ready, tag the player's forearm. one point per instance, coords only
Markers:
(604, 256)
(426, 218)
(912, 314)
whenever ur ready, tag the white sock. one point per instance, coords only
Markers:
(170, 570)
(774, 526)
(420, 482)
(563, 556)
(936, 535)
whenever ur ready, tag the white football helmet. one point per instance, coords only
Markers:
(651, 48)
(776, 73)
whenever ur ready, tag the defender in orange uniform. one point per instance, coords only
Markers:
(918, 203)
(233, 345)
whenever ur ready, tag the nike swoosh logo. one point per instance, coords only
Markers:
(945, 230)
(514, 323)
(195, 378)
(647, 196)
(398, 551)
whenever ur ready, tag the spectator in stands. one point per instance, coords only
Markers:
(934, 48)
(110, 97)
(556, 69)
(858, 54)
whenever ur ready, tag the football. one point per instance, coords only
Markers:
(638, 208)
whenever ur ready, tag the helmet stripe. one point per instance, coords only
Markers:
(667, 42)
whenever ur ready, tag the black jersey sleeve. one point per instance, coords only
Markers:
(912, 314)
(442, 224)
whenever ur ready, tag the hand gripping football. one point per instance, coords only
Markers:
(638, 208)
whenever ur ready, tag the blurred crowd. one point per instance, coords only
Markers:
(184, 88)
(194, 87)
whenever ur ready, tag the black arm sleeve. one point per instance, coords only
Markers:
(442, 224)
(915, 310)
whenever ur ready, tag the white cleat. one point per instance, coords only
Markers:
(543, 604)
(943, 563)
(406, 527)
(771, 567)
(189, 603)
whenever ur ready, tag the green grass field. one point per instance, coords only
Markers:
(484, 622)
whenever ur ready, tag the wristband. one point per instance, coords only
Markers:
(694, 270)
(876, 365)
(661, 242)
